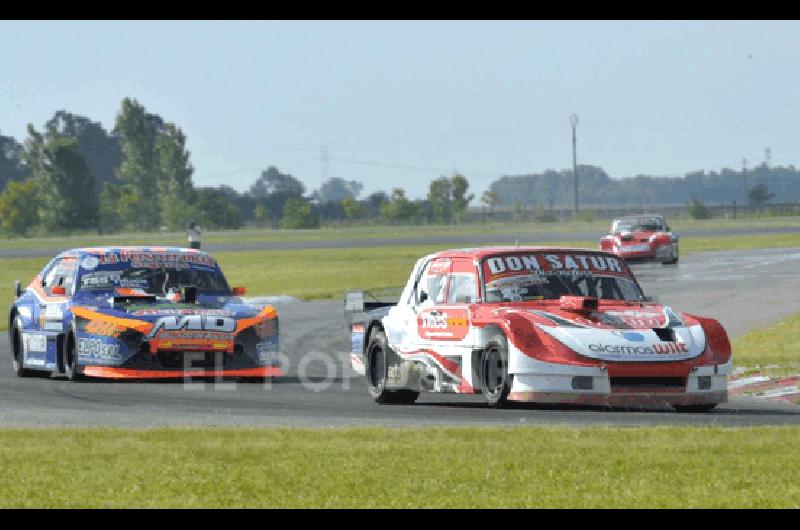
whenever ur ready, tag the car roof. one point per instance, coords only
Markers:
(482, 252)
(639, 216)
(77, 252)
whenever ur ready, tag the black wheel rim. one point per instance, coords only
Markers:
(377, 367)
(493, 372)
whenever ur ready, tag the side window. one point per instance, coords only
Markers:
(61, 273)
(463, 289)
(433, 282)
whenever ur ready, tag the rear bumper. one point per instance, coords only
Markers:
(112, 372)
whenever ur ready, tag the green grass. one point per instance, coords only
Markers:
(773, 350)
(597, 467)
(250, 235)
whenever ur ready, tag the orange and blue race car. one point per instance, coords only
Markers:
(136, 313)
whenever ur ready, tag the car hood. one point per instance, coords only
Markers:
(150, 312)
(620, 333)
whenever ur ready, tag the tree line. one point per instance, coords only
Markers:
(73, 175)
(753, 186)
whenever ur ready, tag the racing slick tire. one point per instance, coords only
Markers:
(706, 407)
(673, 258)
(17, 353)
(379, 356)
(493, 374)
(70, 360)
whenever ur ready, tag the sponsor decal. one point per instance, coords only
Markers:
(105, 329)
(176, 323)
(452, 324)
(630, 335)
(558, 264)
(171, 260)
(98, 349)
(663, 348)
(35, 342)
(167, 312)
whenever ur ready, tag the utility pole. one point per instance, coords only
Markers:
(325, 163)
(744, 180)
(573, 120)
(767, 156)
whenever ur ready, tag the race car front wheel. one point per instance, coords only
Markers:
(494, 378)
(379, 357)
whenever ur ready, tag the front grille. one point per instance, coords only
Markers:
(635, 383)
(189, 360)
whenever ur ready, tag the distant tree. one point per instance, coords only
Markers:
(375, 201)
(110, 197)
(297, 213)
(460, 199)
(66, 191)
(274, 188)
(213, 208)
(759, 195)
(399, 208)
(19, 206)
(489, 199)
(354, 209)
(336, 189)
(519, 211)
(273, 182)
(12, 164)
(173, 177)
(100, 149)
(261, 214)
(698, 210)
(138, 131)
(440, 199)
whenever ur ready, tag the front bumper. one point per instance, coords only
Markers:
(644, 384)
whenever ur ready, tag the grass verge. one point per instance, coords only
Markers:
(553, 467)
(253, 235)
(772, 350)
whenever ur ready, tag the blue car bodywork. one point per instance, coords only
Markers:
(139, 312)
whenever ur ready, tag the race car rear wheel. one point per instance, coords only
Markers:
(18, 353)
(494, 378)
(379, 357)
(71, 360)
(706, 407)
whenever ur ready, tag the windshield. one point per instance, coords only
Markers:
(642, 224)
(154, 273)
(548, 276)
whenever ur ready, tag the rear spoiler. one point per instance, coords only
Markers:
(354, 303)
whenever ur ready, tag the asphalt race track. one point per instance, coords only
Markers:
(743, 289)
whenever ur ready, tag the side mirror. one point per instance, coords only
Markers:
(17, 289)
(651, 298)
(423, 296)
(239, 291)
(58, 290)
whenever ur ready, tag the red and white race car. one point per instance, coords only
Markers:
(640, 238)
(537, 324)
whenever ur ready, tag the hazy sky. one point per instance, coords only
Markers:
(399, 103)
